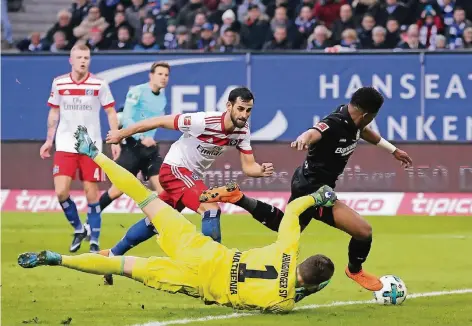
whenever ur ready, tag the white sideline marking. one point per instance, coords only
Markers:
(308, 307)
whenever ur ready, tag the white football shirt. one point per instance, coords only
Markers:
(79, 104)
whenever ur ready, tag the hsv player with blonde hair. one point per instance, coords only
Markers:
(76, 99)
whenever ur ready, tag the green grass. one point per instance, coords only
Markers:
(429, 253)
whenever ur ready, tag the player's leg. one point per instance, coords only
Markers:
(176, 233)
(268, 215)
(346, 219)
(91, 174)
(65, 169)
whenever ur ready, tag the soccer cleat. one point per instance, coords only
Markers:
(33, 259)
(230, 193)
(77, 241)
(107, 278)
(325, 196)
(94, 248)
(84, 144)
(366, 280)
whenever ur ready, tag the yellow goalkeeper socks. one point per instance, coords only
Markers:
(125, 181)
(95, 264)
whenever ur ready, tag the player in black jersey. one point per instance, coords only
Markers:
(330, 143)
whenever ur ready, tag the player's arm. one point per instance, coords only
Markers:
(374, 138)
(253, 169)
(311, 136)
(53, 121)
(248, 163)
(166, 122)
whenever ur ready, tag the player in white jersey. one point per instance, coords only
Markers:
(206, 135)
(76, 99)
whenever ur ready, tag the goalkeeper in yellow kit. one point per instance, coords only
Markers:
(266, 279)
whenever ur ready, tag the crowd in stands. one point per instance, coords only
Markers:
(269, 25)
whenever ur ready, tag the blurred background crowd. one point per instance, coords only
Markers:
(235, 25)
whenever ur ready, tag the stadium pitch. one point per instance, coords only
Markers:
(431, 254)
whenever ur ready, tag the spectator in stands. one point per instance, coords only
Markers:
(245, 7)
(93, 20)
(392, 8)
(280, 40)
(148, 43)
(216, 17)
(440, 43)
(349, 39)
(63, 24)
(108, 9)
(273, 5)
(134, 14)
(206, 42)
(228, 21)
(412, 40)
(255, 29)
(319, 40)
(430, 25)
(467, 38)
(31, 44)
(181, 41)
(7, 30)
(199, 21)
(362, 7)
(163, 18)
(365, 31)
(189, 11)
(455, 30)
(59, 43)
(393, 33)
(149, 26)
(379, 36)
(344, 22)
(111, 33)
(305, 22)
(327, 11)
(447, 11)
(303, 3)
(170, 36)
(96, 41)
(79, 11)
(124, 41)
(281, 19)
(229, 42)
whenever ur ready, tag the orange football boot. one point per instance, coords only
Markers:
(366, 280)
(230, 193)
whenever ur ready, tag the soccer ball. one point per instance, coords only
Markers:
(393, 292)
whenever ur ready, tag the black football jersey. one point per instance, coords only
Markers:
(327, 158)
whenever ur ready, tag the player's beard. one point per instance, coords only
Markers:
(238, 123)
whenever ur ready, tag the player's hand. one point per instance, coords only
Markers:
(114, 137)
(301, 144)
(403, 157)
(44, 152)
(267, 169)
(148, 141)
(115, 151)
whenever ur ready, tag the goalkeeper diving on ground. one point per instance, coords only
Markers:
(266, 278)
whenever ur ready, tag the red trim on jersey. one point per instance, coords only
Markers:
(223, 123)
(77, 92)
(88, 84)
(112, 104)
(176, 122)
(54, 106)
(214, 130)
(79, 83)
(213, 119)
(214, 140)
(240, 132)
(244, 151)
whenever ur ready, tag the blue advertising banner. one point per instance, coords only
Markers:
(427, 98)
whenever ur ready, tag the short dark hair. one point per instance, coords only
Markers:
(316, 270)
(242, 92)
(367, 99)
(162, 64)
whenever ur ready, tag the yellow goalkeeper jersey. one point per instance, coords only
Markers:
(261, 278)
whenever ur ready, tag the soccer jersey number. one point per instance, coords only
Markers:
(269, 274)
